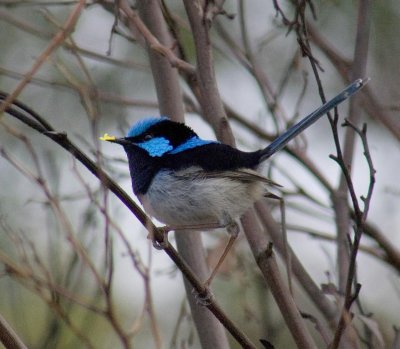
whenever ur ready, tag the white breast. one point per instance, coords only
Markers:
(185, 199)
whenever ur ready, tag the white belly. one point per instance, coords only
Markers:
(176, 200)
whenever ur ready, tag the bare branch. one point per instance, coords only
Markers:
(8, 337)
(56, 41)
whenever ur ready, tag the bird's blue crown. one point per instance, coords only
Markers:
(143, 125)
(159, 136)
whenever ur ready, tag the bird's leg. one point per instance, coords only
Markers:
(160, 245)
(167, 228)
(231, 226)
(228, 246)
(227, 222)
(233, 229)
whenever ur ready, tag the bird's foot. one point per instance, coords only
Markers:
(203, 298)
(163, 243)
(233, 228)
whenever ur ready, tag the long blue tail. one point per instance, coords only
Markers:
(293, 131)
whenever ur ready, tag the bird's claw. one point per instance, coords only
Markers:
(233, 228)
(161, 245)
(204, 298)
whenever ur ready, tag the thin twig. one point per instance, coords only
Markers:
(8, 337)
(55, 42)
(153, 42)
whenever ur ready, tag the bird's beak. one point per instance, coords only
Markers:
(113, 139)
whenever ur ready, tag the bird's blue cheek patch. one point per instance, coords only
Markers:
(156, 146)
(191, 143)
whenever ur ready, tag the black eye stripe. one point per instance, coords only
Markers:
(175, 133)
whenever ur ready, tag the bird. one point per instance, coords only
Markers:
(187, 182)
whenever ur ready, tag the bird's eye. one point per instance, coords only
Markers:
(148, 137)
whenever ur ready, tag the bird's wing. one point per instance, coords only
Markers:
(244, 175)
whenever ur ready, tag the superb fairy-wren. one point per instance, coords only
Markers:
(187, 182)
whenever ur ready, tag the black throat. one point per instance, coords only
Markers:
(142, 168)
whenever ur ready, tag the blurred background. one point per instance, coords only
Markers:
(61, 233)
